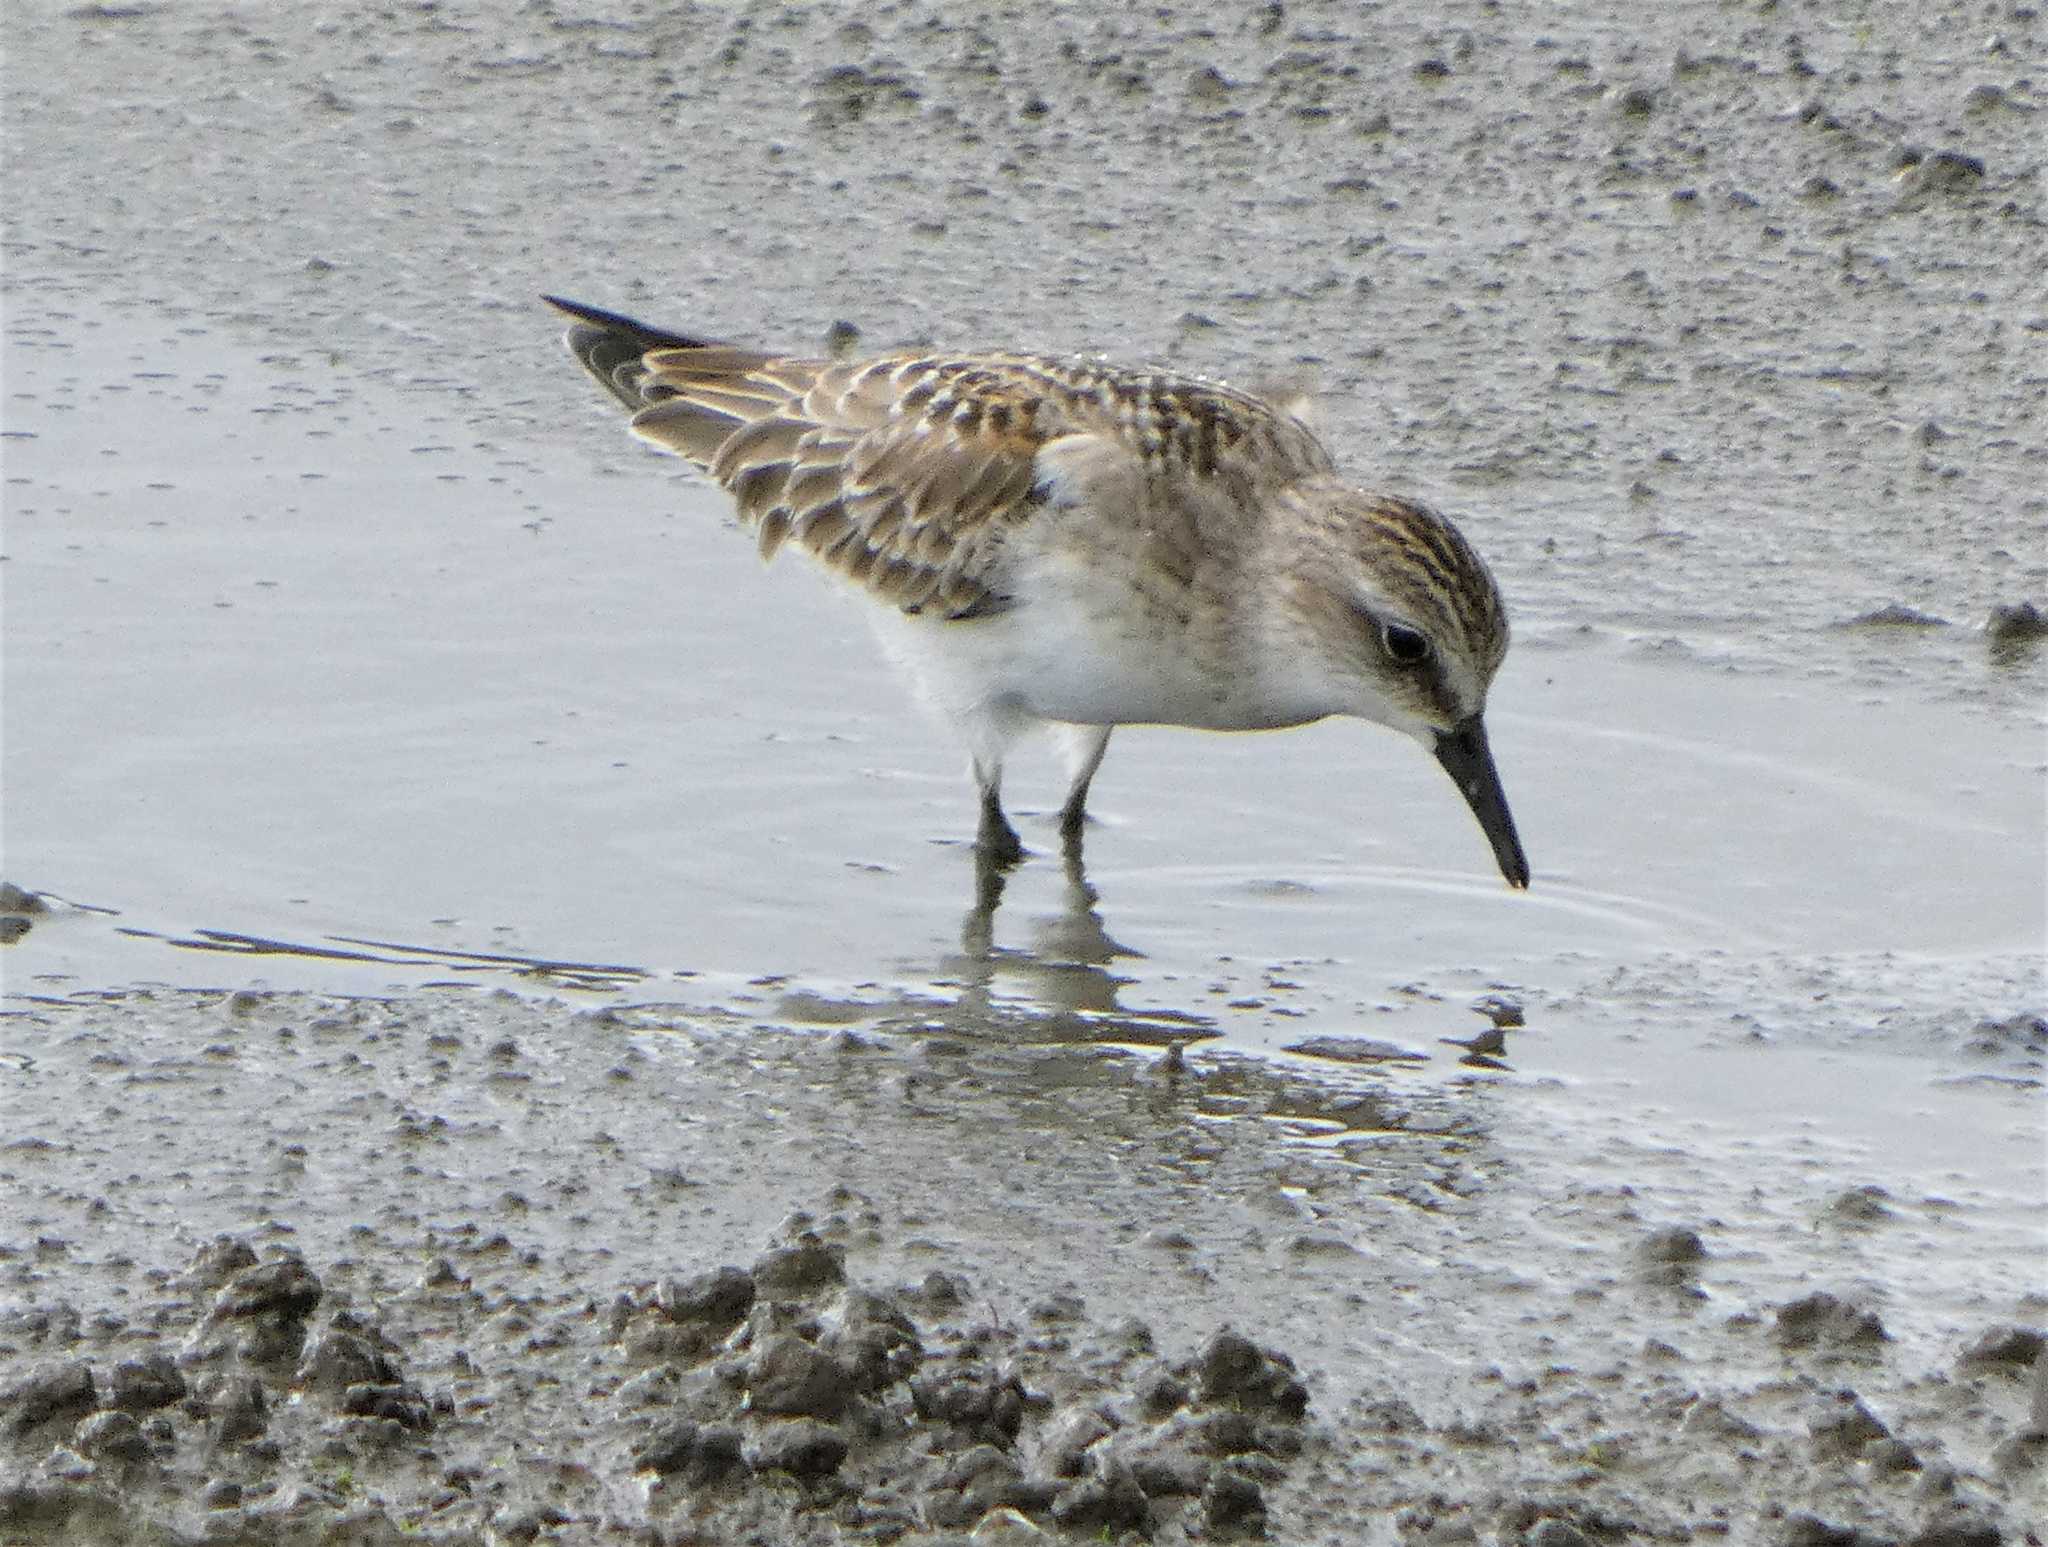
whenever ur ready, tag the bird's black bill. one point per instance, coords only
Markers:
(1469, 761)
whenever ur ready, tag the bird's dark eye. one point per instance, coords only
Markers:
(1407, 646)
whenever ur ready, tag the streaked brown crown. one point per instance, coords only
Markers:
(1427, 564)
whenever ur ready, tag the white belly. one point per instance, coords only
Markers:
(1085, 654)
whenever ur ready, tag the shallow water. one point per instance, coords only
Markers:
(299, 671)
(294, 662)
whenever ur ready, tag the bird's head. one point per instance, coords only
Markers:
(1394, 617)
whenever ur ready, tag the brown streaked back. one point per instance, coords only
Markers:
(907, 472)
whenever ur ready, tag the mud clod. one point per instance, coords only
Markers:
(1823, 1322)
(52, 1392)
(2016, 623)
(1067, 1437)
(237, 1408)
(1233, 1504)
(1803, 1530)
(801, 1447)
(221, 1493)
(984, 1404)
(2003, 1351)
(874, 1339)
(1233, 1369)
(146, 1384)
(1671, 1255)
(1110, 1501)
(1552, 1532)
(260, 1312)
(720, 1298)
(1843, 1426)
(391, 1402)
(334, 1359)
(805, 1268)
(797, 1401)
(790, 1377)
(111, 1436)
(1959, 1528)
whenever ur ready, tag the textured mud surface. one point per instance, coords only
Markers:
(467, 1269)
(350, 648)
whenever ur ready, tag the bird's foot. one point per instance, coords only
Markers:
(997, 843)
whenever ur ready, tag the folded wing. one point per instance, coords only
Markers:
(908, 472)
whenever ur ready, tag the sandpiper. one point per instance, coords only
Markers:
(1070, 544)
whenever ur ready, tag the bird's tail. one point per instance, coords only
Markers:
(614, 348)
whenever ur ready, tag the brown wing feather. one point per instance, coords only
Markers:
(907, 472)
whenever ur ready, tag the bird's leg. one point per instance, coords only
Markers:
(1085, 746)
(995, 841)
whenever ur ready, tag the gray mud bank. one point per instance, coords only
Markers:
(462, 1268)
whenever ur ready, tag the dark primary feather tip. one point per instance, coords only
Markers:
(638, 334)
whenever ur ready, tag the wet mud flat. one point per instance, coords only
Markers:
(461, 1267)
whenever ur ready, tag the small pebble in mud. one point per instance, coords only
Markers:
(1356, 1050)
(14, 899)
(2013, 623)
(1505, 1013)
(221, 1493)
(1482, 1049)
(1636, 101)
(1861, 1206)
(1893, 615)
(1671, 1256)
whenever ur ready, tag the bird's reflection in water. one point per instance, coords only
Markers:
(1061, 988)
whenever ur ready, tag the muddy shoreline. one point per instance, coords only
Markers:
(357, 669)
(473, 1269)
